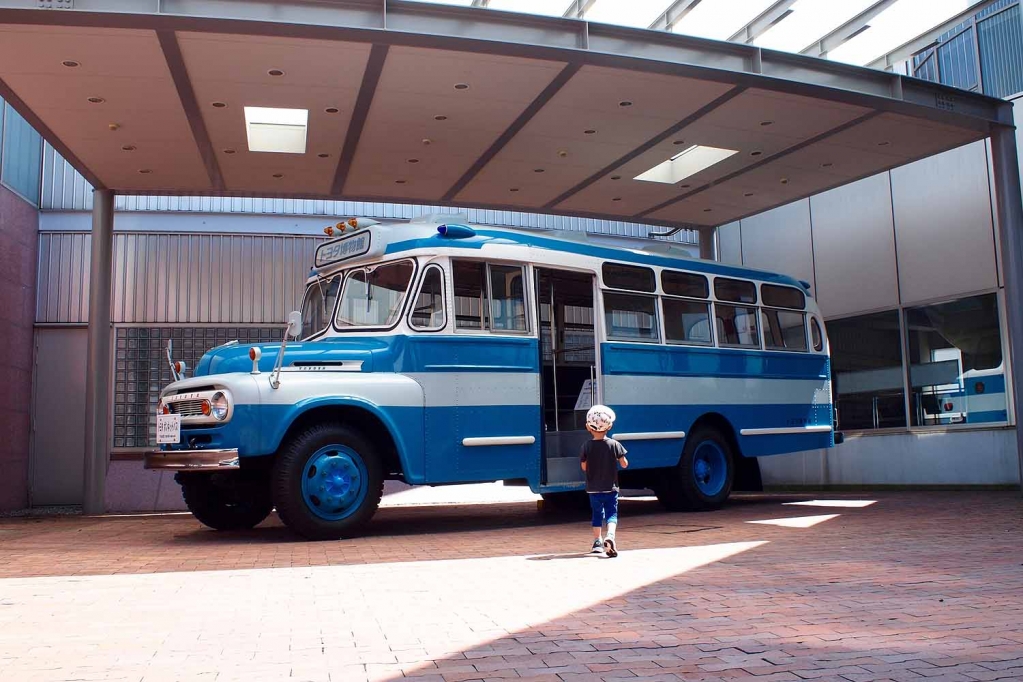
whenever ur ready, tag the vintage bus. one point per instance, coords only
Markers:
(435, 352)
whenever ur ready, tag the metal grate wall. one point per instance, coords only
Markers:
(177, 278)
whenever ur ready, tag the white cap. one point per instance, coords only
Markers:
(600, 418)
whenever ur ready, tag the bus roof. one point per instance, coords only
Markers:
(369, 244)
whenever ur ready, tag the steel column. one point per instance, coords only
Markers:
(97, 372)
(707, 238)
(1009, 208)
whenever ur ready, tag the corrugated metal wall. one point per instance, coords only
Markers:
(1000, 40)
(177, 278)
(64, 189)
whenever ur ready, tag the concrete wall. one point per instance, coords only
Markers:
(19, 222)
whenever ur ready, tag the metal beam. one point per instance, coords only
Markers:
(821, 46)
(97, 368)
(368, 88)
(186, 95)
(674, 14)
(927, 39)
(763, 21)
(1009, 210)
(578, 9)
(518, 124)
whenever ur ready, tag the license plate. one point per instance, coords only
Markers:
(168, 428)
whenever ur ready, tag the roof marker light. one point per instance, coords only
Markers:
(456, 231)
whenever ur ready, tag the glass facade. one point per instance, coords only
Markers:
(22, 161)
(956, 373)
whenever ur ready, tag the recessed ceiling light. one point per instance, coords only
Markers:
(113, 126)
(145, 171)
(538, 170)
(625, 103)
(96, 100)
(589, 131)
(128, 148)
(616, 177)
(827, 165)
(688, 162)
(883, 144)
(71, 63)
(229, 151)
(281, 131)
(707, 210)
(684, 186)
(400, 182)
(766, 123)
(748, 194)
(756, 152)
(562, 153)
(413, 160)
(275, 72)
(427, 142)
(219, 105)
(461, 86)
(440, 117)
(678, 142)
(784, 181)
(278, 175)
(323, 155)
(514, 189)
(616, 199)
(331, 110)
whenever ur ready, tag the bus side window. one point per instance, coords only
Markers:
(630, 317)
(686, 321)
(428, 312)
(469, 295)
(489, 296)
(737, 325)
(508, 302)
(784, 330)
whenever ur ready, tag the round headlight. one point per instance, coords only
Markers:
(218, 406)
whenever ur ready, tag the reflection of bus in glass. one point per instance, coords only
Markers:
(437, 353)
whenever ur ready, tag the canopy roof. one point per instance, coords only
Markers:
(414, 102)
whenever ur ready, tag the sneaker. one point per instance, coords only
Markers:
(597, 547)
(609, 547)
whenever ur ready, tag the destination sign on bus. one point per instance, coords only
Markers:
(342, 249)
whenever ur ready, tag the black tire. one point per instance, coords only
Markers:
(290, 469)
(573, 501)
(229, 500)
(681, 489)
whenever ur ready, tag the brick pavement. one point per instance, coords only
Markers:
(918, 586)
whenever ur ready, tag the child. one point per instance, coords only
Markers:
(599, 458)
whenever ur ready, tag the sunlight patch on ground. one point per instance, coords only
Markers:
(236, 624)
(400, 495)
(797, 521)
(852, 504)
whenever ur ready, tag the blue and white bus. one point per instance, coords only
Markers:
(435, 352)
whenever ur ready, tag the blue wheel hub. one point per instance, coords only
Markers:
(334, 482)
(710, 468)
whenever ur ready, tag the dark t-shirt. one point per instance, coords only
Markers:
(601, 457)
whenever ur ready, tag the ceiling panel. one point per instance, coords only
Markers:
(140, 109)
(419, 85)
(556, 138)
(317, 75)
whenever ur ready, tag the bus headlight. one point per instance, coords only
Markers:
(218, 406)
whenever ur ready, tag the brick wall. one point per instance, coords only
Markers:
(19, 224)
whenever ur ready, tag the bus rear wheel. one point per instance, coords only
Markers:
(703, 478)
(327, 482)
(226, 500)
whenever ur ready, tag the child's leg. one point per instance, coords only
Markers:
(597, 509)
(611, 513)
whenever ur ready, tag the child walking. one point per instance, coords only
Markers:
(600, 458)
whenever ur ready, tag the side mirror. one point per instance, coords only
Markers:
(294, 324)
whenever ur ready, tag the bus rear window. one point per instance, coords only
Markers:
(735, 290)
(684, 284)
(782, 297)
(629, 277)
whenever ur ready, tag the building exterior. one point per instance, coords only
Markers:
(901, 264)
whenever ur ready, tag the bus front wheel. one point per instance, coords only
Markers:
(703, 478)
(327, 482)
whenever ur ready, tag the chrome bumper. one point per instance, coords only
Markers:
(192, 460)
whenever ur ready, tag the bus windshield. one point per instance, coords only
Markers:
(374, 296)
(318, 305)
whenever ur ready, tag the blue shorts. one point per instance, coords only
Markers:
(605, 508)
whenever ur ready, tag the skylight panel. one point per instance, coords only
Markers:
(635, 13)
(281, 131)
(898, 24)
(685, 164)
(809, 20)
(550, 8)
(720, 20)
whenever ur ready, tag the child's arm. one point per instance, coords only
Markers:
(582, 464)
(624, 461)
